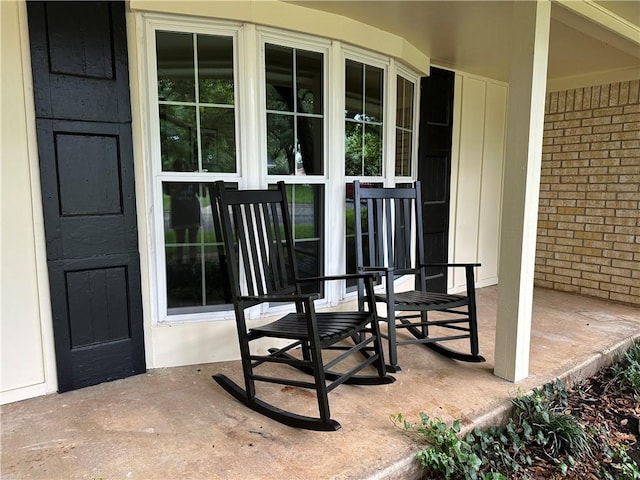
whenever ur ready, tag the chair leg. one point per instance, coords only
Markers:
(377, 346)
(473, 330)
(424, 318)
(473, 316)
(315, 353)
(392, 366)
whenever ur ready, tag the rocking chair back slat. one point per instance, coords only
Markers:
(260, 244)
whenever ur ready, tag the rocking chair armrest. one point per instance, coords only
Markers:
(278, 298)
(451, 264)
(346, 276)
(380, 270)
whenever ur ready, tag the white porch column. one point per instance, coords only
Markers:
(525, 121)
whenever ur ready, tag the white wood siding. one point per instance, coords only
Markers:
(476, 177)
(25, 320)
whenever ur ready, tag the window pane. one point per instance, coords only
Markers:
(309, 155)
(192, 252)
(215, 69)
(353, 149)
(279, 76)
(178, 138)
(179, 128)
(295, 142)
(309, 81)
(372, 150)
(175, 66)
(351, 233)
(280, 140)
(363, 119)
(354, 107)
(374, 85)
(404, 127)
(403, 153)
(404, 107)
(306, 207)
(217, 129)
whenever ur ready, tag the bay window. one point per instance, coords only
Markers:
(253, 109)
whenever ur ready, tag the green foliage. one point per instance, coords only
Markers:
(627, 370)
(622, 467)
(543, 419)
(500, 450)
(541, 422)
(448, 456)
(363, 149)
(497, 453)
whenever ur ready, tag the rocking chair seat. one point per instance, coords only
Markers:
(426, 300)
(332, 327)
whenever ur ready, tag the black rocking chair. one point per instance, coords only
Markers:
(392, 243)
(260, 261)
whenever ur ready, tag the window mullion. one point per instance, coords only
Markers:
(252, 122)
(363, 117)
(296, 142)
(197, 101)
(389, 130)
(334, 106)
(196, 82)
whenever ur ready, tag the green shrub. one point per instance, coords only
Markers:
(541, 422)
(544, 419)
(448, 457)
(627, 370)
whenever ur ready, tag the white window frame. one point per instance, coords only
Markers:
(388, 140)
(156, 177)
(251, 144)
(313, 44)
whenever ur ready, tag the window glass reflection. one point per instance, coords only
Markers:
(295, 123)
(309, 81)
(350, 225)
(176, 75)
(217, 131)
(178, 138)
(404, 127)
(196, 136)
(215, 69)
(192, 250)
(364, 100)
(279, 77)
(306, 207)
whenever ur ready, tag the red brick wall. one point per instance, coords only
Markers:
(589, 217)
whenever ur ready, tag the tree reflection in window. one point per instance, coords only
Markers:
(294, 104)
(364, 87)
(196, 105)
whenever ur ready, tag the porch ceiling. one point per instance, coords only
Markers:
(475, 36)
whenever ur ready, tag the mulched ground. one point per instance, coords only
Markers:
(600, 404)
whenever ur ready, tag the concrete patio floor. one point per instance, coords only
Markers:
(176, 423)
